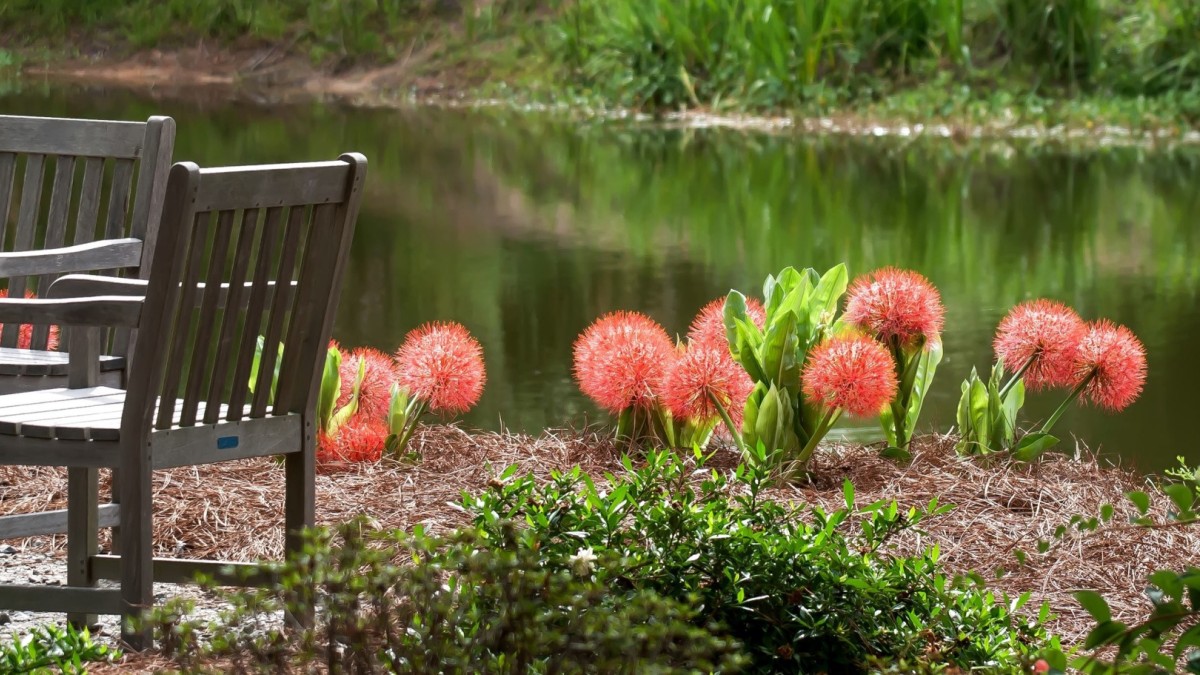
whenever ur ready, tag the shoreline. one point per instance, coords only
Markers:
(266, 78)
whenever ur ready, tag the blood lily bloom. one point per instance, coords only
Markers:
(380, 372)
(708, 328)
(705, 384)
(1110, 370)
(850, 373)
(1041, 340)
(442, 365)
(847, 373)
(25, 332)
(441, 371)
(901, 309)
(360, 439)
(621, 361)
(894, 305)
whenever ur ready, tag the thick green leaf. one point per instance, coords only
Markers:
(1181, 496)
(981, 422)
(1094, 604)
(734, 311)
(331, 387)
(822, 304)
(779, 352)
(1141, 500)
(848, 494)
(1033, 445)
(1106, 632)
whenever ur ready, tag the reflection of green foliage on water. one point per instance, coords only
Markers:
(525, 229)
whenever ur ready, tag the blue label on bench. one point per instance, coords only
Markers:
(227, 442)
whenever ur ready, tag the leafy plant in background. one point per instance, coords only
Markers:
(466, 603)
(660, 392)
(904, 312)
(441, 371)
(370, 402)
(66, 650)
(1055, 349)
(800, 313)
(810, 594)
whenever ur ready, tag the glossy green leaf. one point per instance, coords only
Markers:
(1181, 496)
(1141, 500)
(1033, 445)
(1095, 605)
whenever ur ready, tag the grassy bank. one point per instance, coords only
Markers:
(979, 62)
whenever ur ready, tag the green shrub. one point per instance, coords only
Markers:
(454, 605)
(51, 649)
(809, 595)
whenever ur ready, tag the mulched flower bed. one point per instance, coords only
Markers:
(234, 510)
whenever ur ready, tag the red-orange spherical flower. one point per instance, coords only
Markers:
(360, 439)
(700, 375)
(1115, 361)
(852, 373)
(441, 364)
(895, 304)
(622, 359)
(379, 375)
(25, 332)
(708, 328)
(1047, 332)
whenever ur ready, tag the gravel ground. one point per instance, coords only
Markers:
(31, 567)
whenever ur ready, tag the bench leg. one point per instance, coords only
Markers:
(136, 540)
(299, 505)
(83, 487)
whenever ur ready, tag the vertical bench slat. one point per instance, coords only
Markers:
(320, 255)
(229, 318)
(254, 312)
(118, 199)
(89, 200)
(207, 325)
(297, 217)
(169, 393)
(8, 174)
(27, 220)
(56, 233)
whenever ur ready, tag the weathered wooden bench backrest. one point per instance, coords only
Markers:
(254, 229)
(77, 217)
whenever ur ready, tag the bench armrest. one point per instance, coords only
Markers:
(88, 285)
(106, 310)
(97, 255)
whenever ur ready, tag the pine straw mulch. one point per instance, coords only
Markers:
(234, 510)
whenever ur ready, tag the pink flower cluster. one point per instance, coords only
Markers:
(1056, 348)
(25, 333)
(627, 360)
(438, 363)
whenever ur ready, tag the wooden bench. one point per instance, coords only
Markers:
(230, 238)
(87, 225)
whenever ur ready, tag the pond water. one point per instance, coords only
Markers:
(526, 228)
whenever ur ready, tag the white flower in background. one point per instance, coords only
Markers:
(582, 561)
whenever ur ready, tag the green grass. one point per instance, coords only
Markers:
(769, 54)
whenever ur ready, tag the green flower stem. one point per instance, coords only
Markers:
(1065, 404)
(733, 430)
(1017, 376)
(823, 428)
(411, 426)
(906, 375)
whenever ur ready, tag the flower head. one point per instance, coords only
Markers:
(1045, 334)
(379, 374)
(441, 364)
(700, 375)
(25, 332)
(852, 373)
(1113, 362)
(708, 328)
(894, 304)
(621, 360)
(360, 439)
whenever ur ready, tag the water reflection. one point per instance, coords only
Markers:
(526, 229)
